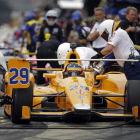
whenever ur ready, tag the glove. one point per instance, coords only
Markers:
(97, 56)
(6, 100)
(85, 31)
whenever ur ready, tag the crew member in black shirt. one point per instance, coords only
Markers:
(128, 23)
(52, 28)
(47, 50)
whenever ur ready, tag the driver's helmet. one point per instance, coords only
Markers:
(74, 69)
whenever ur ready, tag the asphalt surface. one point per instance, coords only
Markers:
(55, 129)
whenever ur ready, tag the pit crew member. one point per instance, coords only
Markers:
(98, 43)
(127, 23)
(122, 46)
(52, 28)
(47, 50)
(3, 69)
(84, 53)
(31, 31)
(75, 33)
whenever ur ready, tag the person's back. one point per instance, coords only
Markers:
(31, 31)
(33, 28)
(47, 50)
(123, 45)
(51, 44)
(85, 53)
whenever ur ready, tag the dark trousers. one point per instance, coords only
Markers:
(132, 72)
(44, 53)
(31, 48)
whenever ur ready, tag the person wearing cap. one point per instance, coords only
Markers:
(31, 31)
(75, 33)
(38, 15)
(52, 28)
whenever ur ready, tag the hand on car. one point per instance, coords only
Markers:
(5, 99)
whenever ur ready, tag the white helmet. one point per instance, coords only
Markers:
(2, 61)
(51, 13)
(107, 28)
(62, 52)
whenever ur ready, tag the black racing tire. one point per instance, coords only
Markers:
(21, 97)
(132, 97)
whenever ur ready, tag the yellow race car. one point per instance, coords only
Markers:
(72, 91)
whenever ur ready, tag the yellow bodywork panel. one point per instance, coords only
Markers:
(135, 112)
(25, 112)
(18, 73)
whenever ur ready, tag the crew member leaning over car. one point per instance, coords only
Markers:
(122, 46)
(3, 68)
(47, 50)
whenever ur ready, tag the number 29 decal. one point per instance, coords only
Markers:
(20, 76)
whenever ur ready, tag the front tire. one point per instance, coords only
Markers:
(21, 97)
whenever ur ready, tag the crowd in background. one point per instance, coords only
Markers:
(66, 22)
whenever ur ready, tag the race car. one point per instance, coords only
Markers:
(72, 91)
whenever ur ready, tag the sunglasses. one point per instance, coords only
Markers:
(51, 17)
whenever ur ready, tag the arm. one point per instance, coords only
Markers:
(62, 35)
(93, 36)
(130, 29)
(24, 35)
(125, 27)
(40, 37)
(70, 37)
(5, 99)
(1, 93)
(108, 49)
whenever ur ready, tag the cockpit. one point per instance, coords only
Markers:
(72, 70)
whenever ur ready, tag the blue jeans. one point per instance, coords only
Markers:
(132, 72)
(107, 63)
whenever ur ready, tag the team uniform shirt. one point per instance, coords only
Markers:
(49, 45)
(99, 42)
(124, 24)
(85, 53)
(122, 45)
(77, 31)
(56, 32)
(33, 28)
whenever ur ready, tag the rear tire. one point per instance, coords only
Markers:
(132, 97)
(21, 97)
